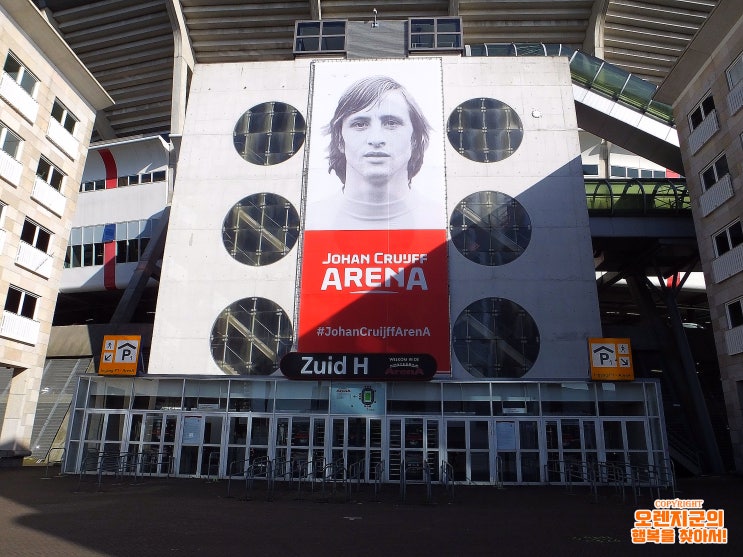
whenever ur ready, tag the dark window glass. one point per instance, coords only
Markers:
(121, 251)
(260, 229)
(490, 228)
(484, 130)
(735, 313)
(736, 234)
(76, 259)
(269, 133)
(87, 255)
(708, 105)
(709, 178)
(696, 118)
(497, 338)
(28, 308)
(28, 233)
(13, 300)
(98, 254)
(250, 336)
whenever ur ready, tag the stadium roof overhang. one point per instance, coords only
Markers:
(138, 50)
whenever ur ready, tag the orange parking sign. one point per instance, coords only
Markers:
(611, 359)
(119, 355)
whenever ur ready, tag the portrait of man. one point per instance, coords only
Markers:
(378, 138)
(374, 257)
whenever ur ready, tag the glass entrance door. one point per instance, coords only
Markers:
(625, 442)
(300, 446)
(247, 442)
(103, 441)
(413, 441)
(571, 448)
(201, 441)
(468, 449)
(356, 444)
(152, 442)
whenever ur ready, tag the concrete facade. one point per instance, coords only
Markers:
(702, 71)
(553, 280)
(34, 43)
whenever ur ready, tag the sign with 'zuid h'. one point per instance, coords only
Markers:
(119, 355)
(611, 359)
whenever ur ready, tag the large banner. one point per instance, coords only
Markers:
(374, 266)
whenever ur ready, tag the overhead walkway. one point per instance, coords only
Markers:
(609, 102)
(639, 208)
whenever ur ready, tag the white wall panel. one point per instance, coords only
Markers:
(553, 280)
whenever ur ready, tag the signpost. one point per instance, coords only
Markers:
(119, 355)
(611, 359)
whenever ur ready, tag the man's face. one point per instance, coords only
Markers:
(377, 141)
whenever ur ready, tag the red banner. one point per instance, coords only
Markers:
(375, 291)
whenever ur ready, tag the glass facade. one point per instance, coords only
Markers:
(496, 432)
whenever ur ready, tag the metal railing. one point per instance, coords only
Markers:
(418, 467)
(447, 479)
(259, 469)
(638, 196)
(378, 477)
(617, 476)
(590, 73)
(48, 461)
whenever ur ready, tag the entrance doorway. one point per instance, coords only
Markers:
(413, 442)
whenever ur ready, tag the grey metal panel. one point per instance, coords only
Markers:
(387, 40)
(57, 389)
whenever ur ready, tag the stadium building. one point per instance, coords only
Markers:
(409, 242)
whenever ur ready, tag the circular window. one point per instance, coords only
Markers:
(260, 229)
(269, 133)
(250, 337)
(495, 337)
(484, 130)
(490, 228)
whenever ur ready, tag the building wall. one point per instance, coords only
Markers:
(27, 358)
(727, 140)
(118, 203)
(553, 280)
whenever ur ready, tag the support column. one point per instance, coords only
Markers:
(674, 346)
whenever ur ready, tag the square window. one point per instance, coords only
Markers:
(735, 72)
(700, 113)
(735, 313)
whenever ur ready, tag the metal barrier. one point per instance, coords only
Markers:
(615, 475)
(231, 469)
(417, 466)
(213, 466)
(259, 469)
(447, 479)
(357, 472)
(156, 463)
(378, 477)
(309, 472)
(334, 473)
(498, 472)
(47, 458)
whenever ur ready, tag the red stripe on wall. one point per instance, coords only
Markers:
(110, 164)
(109, 265)
(109, 248)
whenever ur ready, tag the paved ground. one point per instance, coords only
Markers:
(154, 517)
